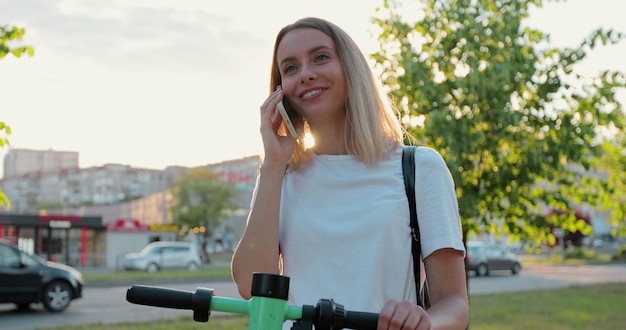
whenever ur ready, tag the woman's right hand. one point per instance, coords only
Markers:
(278, 148)
(403, 315)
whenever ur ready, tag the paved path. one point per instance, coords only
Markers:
(536, 277)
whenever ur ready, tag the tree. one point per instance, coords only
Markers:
(201, 200)
(613, 193)
(4, 132)
(519, 130)
(10, 34)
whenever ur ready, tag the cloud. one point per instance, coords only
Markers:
(134, 38)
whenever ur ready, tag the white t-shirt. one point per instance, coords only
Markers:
(345, 232)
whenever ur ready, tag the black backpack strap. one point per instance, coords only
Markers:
(408, 169)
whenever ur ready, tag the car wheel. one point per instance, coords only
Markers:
(516, 268)
(192, 266)
(482, 270)
(152, 268)
(56, 296)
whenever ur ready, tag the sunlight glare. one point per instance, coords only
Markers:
(309, 140)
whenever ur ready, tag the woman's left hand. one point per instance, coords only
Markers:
(403, 315)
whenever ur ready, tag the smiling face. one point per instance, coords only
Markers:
(312, 76)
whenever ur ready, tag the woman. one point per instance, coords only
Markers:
(334, 217)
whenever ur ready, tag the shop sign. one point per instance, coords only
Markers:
(164, 228)
(127, 225)
(59, 224)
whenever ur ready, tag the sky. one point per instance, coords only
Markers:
(157, 83)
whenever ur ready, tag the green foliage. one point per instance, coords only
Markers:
(580, 253)
(613, 189)
(4, 200)
(4, 132)
(620, 253)
(517, 128)
(12, 34)
(201, 199)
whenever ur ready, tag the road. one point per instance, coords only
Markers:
(107, 305)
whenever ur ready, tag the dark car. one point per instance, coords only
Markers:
(27, 279)
(484, 257)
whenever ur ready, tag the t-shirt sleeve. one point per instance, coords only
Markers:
(437, 206)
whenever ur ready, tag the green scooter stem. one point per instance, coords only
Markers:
(264, 313)
(268, 305)
(267, 309)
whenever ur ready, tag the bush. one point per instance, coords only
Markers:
(620, 254)
(580, 253)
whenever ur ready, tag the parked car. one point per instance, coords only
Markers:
(164, 255)
(27, 279)
(484, 257)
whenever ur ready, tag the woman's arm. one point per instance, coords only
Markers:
(258, 249)
(445, 271)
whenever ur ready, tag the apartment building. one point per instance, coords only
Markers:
(18, 162)
(35, 180)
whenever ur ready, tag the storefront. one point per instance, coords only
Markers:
(67, 239)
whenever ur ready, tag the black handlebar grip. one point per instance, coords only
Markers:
(159, 297)
(329, 315)
(360, 320)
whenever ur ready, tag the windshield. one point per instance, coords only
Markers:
(30, 260)
(150, 249)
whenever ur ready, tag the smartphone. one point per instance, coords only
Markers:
(287, 120)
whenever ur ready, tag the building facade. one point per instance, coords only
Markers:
(72, 240)
(111, 193)
(18, 162)
(64, 185)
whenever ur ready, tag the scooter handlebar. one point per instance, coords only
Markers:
(361, 320)
(330, 315)
(199, 302)
(325, 315)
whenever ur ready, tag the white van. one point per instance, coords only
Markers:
(164, 255)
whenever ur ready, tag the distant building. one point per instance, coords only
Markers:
(240, 172)
(46, 179)
(114, 194)
(18, 162)
(112, 191)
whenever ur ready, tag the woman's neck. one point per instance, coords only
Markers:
(329, 140)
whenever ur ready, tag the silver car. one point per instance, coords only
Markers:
(164, 255)
(484, 257)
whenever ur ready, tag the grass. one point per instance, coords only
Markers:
(581, 256)
(217, 272)
(575, 308)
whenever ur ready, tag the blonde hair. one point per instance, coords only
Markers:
(372, 125)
